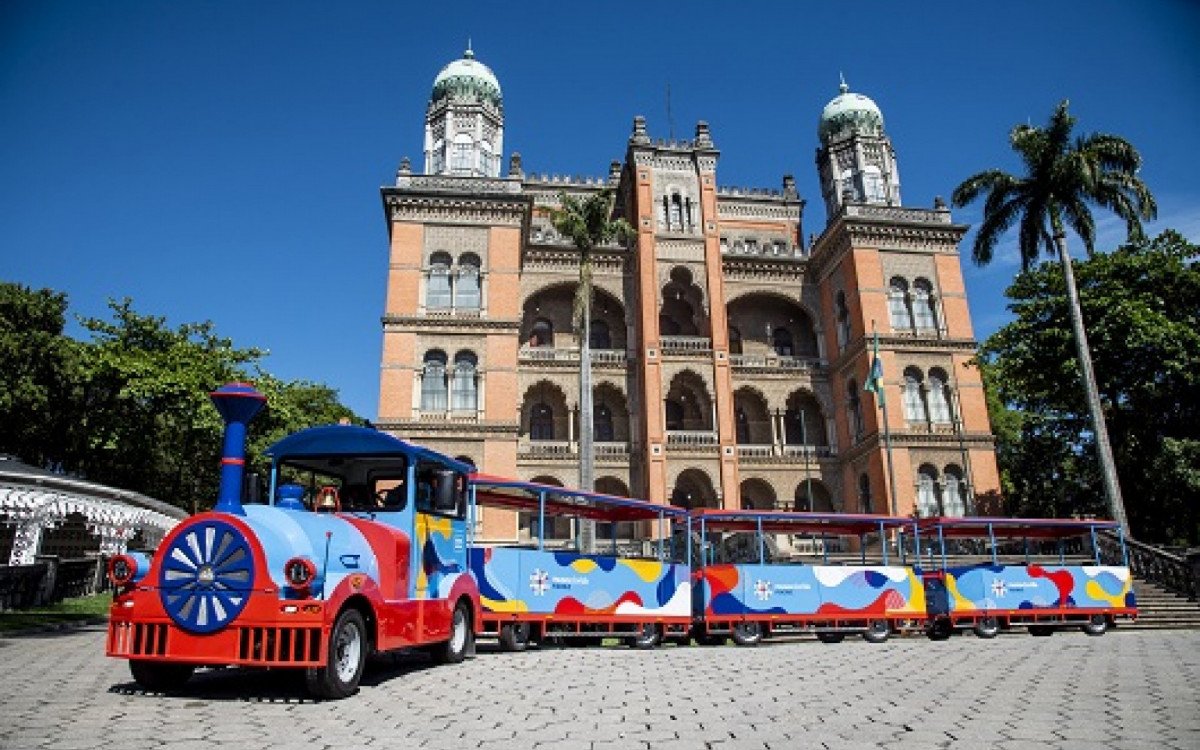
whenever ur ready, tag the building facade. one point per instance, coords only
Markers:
(730, 355)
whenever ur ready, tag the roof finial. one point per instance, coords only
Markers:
(470, 53)
(843, 88)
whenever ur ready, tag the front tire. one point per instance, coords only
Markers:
(987, 628)
(1097, 625)
(514, 636)
(454, 650)
(747, 633)
(159, 676)
(345, 659)
(877, 632)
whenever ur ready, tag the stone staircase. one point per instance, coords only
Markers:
(1160, 609)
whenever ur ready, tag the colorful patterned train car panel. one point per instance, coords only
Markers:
(571, 586)
(816, 592)
(1017, 588)
(443, 556)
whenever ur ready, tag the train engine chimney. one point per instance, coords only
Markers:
(238, 404)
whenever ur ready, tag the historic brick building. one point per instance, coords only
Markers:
(730, 354)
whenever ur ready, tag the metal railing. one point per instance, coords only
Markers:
(685, 345)
(568, 355)
(691, 439)
(1171, 572)
(775, 361)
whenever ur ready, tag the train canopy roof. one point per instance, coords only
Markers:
(785, 522)
(500, 492)
(317, 447)
(1012, 528)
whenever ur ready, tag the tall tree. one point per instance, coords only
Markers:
(589, 224)
(1062, 177)
(1143, 304)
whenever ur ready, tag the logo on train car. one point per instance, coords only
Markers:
(539, 581)
(998, 588)
(762, 589)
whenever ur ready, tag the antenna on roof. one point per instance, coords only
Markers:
(670, 120)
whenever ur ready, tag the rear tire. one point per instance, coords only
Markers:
(877, 632)
(161, 676)
(831, 637)
(455, 649)
(648, 636)
(987, 628)
(345, 659)
(747, 633)
(1097, 625)
(514, 636)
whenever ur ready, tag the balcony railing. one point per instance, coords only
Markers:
(687, 345)
(703, 440)
(564, 449)
(550, 354)
(458, 417)
(774, 361)
(785, 453)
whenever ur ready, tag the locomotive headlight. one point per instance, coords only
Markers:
(299, 572)
(121, 570)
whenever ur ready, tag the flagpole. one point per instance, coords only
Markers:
(887, 433)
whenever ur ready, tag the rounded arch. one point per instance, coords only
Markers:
(610, 414)
(756, 494)
(804, 420)
(610, 485)
(554, 305)
(694, 489)
(752, 418)
(929, 501)
(772, 322)
(682, 312)
(544, 412)
(688, 403)
(813, 496)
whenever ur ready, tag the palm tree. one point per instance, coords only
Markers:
(1063, 176)
(588, 223)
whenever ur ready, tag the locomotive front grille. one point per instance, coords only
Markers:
(266, 645)
(138, 638)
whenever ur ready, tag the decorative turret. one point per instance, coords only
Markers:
(856, 161)
(238, 404)
(464, 125)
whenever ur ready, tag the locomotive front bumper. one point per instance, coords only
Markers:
(269, 632)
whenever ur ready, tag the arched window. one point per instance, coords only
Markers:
(602, 424)
(485, 158)
(873, 185)
(541, 422)
(864, 493)
(461, 153)
(437, 287)
(843, 321)
(956, 492)
(781, 339)
(674, 411)
(742, 424)
(466, 288)
(600, 337)
(735, 340)
(939, 397)
(928, 502)
(898, 309)
(675, 217)
(465, 391)
(854, 405)
(923, 304)
(914, 402)
(433, 381)
(795, 427)
(542, 334)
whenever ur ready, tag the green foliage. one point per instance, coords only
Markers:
(588, 223)
(1142, 305)
(1062, 178)
(130, 406)
(80, 610)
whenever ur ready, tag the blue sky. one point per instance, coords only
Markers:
(222, 161)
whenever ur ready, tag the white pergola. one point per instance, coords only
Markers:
(36, 502)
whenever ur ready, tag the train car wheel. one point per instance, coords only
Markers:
(831, 637)
(160, 677)
(454, 650)
(877, 632)
(514, 636)
(648, 636)
(1096, 625)
(747, 633)
(345, 659)
(987, 628)
(1041, 631)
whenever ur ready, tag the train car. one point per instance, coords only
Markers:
(746, 593)
(379, 563)
(544, 591)
(989, 574)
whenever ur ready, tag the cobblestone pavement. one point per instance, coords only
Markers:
(1125, 690)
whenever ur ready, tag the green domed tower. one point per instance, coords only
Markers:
(464, 124)
(856, 160)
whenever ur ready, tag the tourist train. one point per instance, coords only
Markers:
(385, 558)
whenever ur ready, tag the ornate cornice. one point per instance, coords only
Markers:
(759, 268)
(886, 228)
(450, 323)
(414, 429)
(483, 208)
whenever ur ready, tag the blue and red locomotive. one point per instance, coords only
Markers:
(385, 559)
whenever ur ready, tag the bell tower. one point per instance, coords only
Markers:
(856, 161)
(464, 123)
